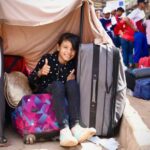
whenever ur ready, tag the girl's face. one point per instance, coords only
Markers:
(66, 52)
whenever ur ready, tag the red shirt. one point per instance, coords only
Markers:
(128, 32)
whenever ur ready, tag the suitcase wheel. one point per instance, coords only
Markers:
(29, 139)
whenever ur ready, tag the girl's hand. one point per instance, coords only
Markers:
(45, 69)
(71, 76)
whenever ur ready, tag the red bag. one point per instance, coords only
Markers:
(15, 63)
(144, 62)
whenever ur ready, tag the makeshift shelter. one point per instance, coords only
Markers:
(31, 28)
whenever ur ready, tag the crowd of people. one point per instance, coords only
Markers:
(128, 31)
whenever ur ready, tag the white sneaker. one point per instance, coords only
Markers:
(82, 134)
(66, 138)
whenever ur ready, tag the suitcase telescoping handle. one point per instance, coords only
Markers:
(94, 85)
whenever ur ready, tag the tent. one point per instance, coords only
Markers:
(31, 28)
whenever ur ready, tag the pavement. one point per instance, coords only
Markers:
(15, 142)
(135, 127)
(134, 133)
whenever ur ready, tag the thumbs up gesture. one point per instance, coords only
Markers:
(71, 76)
(45, 69)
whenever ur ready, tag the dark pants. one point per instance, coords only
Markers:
(65, 92)
(117, 41)
(149, 49)
(127, 51)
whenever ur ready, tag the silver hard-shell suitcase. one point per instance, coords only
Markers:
(102, 84)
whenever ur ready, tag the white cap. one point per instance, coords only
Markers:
(106, 10)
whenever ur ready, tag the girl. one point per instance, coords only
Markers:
(55, 74)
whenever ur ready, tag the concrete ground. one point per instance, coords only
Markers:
(135, 127)
(134, 133)
(16, 143)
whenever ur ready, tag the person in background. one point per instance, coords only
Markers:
(55, 73)
(119, 15)
(147, 24)
(98, 14)
(113, 11)
(106, 22)
(126, 34)
(140, 41)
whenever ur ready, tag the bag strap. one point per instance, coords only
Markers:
(8, 70)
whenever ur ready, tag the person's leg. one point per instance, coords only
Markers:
(124, 46)
(130, 52)
(58, 94)
(57, 90)
(149, 49)
(73, 96)
(144, 46)
(137, 46)
(117, 41)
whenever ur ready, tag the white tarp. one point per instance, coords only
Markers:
(31, 28)
(35, 12)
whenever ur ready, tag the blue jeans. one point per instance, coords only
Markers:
(140, 46)
(149, 50)
(65, 92)
(127, 51)
(117, 41)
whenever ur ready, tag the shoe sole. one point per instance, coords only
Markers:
(68, 143)
(86, 136)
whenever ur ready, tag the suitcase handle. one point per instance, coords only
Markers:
(94, 90)
(108, 88)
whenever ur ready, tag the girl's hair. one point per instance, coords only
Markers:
(74, 39)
